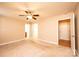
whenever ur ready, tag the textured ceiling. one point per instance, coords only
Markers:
(45, 10)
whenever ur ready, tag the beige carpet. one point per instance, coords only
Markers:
(30, 48)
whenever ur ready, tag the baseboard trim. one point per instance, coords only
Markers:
(77, 53)
(12, 42)
(49, 42)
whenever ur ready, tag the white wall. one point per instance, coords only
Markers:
(0, 28)
(48, 28)
(11, 29)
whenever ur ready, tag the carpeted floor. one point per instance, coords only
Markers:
(28, 48)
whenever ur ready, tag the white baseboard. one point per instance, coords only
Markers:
(12, 42)
(49, 42)
(77, 53)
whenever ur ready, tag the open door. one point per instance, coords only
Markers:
(72, 34)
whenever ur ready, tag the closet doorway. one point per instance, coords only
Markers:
(64, 33)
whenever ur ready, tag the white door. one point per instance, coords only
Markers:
(73, 33)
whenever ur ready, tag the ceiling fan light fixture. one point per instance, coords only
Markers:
(29, 17)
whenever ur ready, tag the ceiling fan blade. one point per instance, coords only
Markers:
(26, 18)
(26, 12)
(34, 18)
(22, 15)
(35, 15)
(29, 11)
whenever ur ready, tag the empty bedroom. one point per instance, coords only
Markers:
(39, 29)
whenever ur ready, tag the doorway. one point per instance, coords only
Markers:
(64, 33)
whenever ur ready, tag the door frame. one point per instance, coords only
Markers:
(72, 21)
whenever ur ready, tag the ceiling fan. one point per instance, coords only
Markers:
(29, 15)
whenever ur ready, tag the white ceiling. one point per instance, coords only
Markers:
(43, 9)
